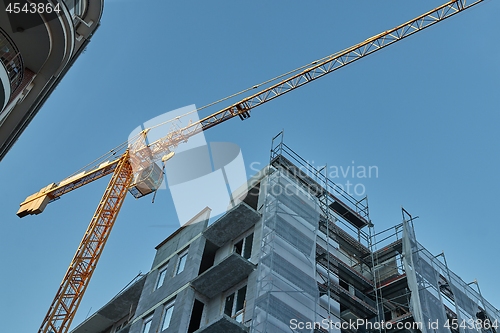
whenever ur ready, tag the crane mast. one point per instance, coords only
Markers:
(75, 281)
(65, 304)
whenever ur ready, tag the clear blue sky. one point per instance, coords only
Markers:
(424, 111)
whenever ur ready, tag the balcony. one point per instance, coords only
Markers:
(233, 269)
(12, 64)
(232, 224)
(223, 324)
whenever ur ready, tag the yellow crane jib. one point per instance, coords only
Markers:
(36, 203)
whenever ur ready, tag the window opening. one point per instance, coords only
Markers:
(208, 257)
(147, 324)
(196, 314)
(244, 246)
(182, 261)
(167, 315)
(162, 273)
(235, 304)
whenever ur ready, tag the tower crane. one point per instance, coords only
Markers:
(133, 170)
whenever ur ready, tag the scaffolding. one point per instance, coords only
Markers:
(303, 275)
(322, 262)
(286, 275)
(418, 288)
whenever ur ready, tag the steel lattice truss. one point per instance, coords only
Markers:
(70, 293)
(157, 149)
(317, 70)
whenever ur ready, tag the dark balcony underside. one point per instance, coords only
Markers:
(223, 325)
(232, 224)
(223, 276)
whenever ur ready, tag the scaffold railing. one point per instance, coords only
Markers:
(353, 213)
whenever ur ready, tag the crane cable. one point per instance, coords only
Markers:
(123, 145)
(251, 88)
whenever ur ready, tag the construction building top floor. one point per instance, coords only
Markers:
(294, 251)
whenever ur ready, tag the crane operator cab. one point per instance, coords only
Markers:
(146, 181)
(149, 179)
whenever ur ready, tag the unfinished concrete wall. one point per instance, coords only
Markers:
(175, 286)
(180, 317)
(223, 252)
(252, 278)
(177, 241)
(240, 228)
(215, 306)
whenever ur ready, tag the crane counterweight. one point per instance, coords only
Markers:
(36, 203)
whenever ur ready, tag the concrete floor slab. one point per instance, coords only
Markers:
(224, 325)
(232, 224)
(223, 276)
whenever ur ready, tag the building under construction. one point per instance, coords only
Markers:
(296, 254)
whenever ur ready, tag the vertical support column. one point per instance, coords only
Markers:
(77, 278)
(423, 281)
(372, 241)
(328, 308)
